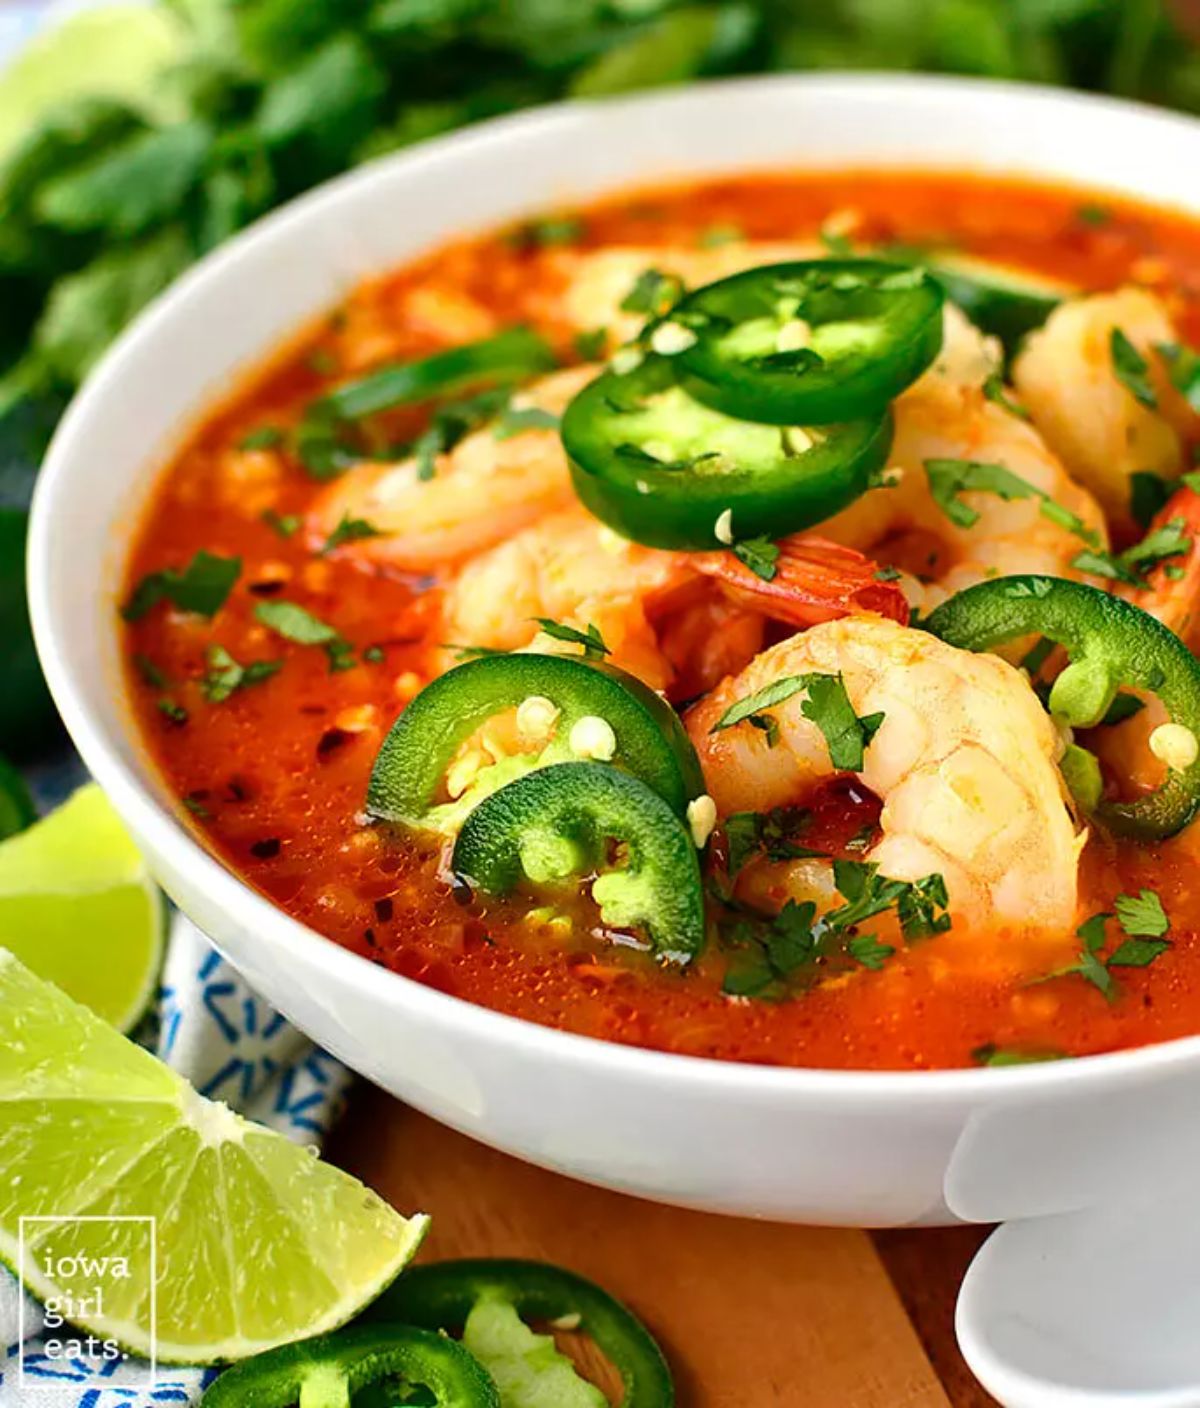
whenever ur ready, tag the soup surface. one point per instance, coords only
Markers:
(266, 723)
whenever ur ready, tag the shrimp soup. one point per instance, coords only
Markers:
(752, 620)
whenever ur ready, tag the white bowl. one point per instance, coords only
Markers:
(842, 1147)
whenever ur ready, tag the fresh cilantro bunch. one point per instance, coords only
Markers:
(100, 207)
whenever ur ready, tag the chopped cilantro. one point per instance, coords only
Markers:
(1131, 369)
(173, 712)
(867, 950)
(266, 437)
(225, 675)
(1144, 922)
(839, 246)
(373, 654)
(766, 724)
(294, 623)
(591, 639)
(1147, 494)
(990, 1055)
(512, 422)
(321, 361)
(286, 525)
(760, 555)
(349, 530)
(827, 705)
(548, 230)
(995, 391)
(766, 833)
(150, 672)
(653, 293)
(1142, 915)
(1183, 367)
(716, 235)
(589, 346)
(886, 574)
(202, 587)
(1092, 214)
(454, 421)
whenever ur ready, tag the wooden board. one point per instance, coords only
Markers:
(751, 1314)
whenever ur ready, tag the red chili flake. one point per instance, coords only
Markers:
(266, 849)
(384, 909)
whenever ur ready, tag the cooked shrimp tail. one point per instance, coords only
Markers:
(814, 580)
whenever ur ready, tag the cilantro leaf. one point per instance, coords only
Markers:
(140, 181)
(265, 437)
(995, 391)
(286, 525)
(774, 693)
(589, 346)
(867, 950)
(760, 555)
(1131, 369)
(1147, 494)
(846, 735)
(225, 675)
(1183, 367)
(294, 623)
(990, 1055)
(1137, 953)
(827, 705)
(1142, 915)
(591, 639)
(515, 422)
(766, 833)
(949, 478)
(202, 587)
(653, 293)
(349, 530)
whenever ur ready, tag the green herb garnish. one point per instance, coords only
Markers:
(202, 587)
(591, 639)
(760, 555)
(1132, 370)
(294, 623)
(349, 530)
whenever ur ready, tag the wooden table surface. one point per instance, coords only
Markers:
(749, 1313)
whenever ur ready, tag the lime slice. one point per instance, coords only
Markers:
(255, 1241)
(78, 906)
(110, 51)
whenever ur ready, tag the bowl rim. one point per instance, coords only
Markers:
(183, 851)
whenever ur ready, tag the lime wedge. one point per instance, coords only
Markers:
(78, 906)
(255, 1241)
(110, 51)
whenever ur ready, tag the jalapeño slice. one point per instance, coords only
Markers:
(666, 470)
(808, 343)
(574, 820)
(649, 740)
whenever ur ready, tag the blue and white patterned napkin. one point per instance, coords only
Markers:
(233, 1047)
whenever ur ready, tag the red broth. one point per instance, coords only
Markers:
(275, 776)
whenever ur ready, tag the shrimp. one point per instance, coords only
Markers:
(1103, 432)
(947, 414)
(481, 492)
(964, 763)
(595, 283)
(650, 604)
